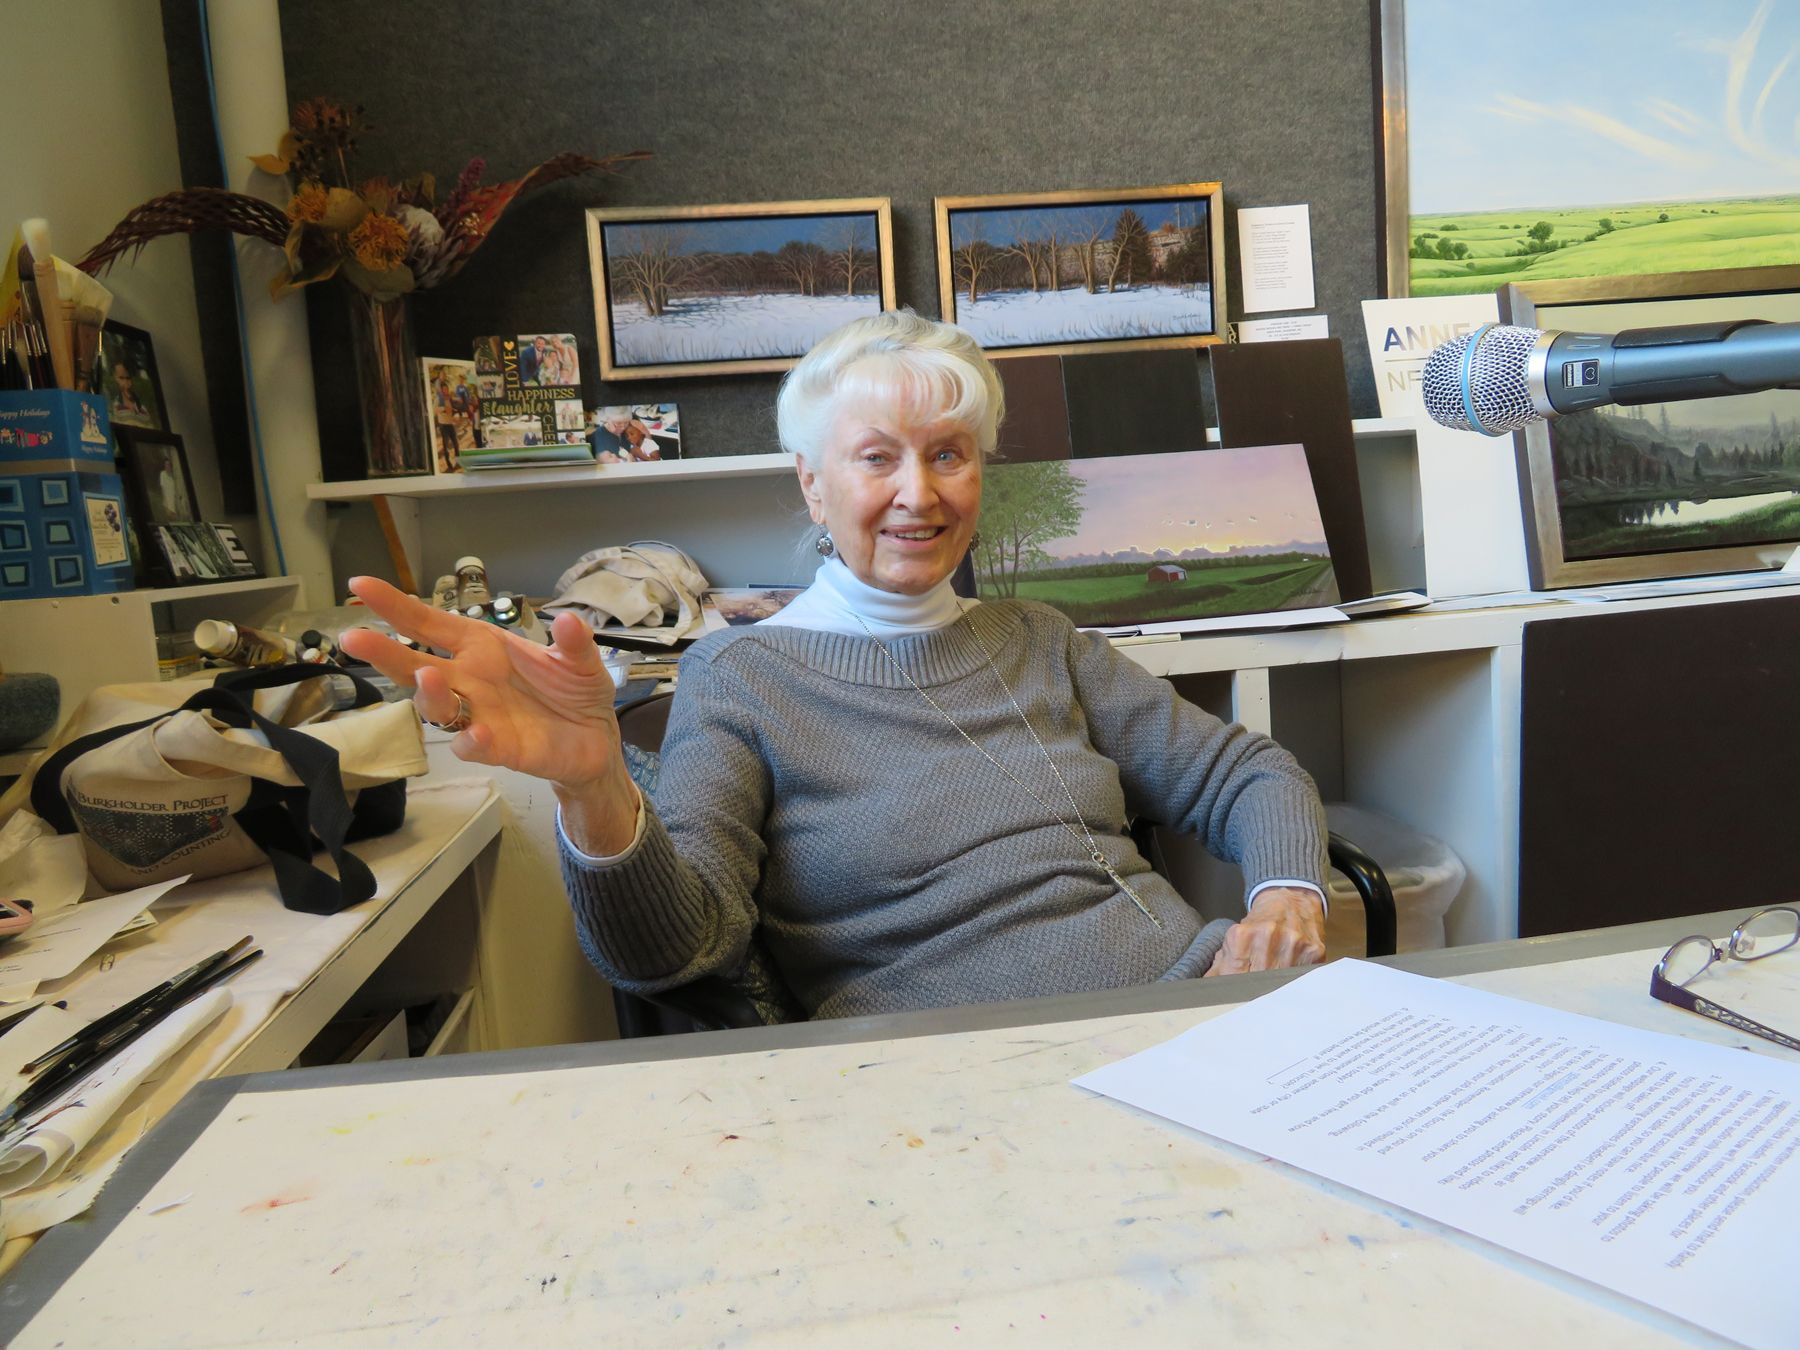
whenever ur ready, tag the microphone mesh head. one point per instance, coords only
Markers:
(1498, 391)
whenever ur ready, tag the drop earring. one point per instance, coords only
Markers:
(824, 545)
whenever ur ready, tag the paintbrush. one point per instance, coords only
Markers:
(85, 305)
(49, 304)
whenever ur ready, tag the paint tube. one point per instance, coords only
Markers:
(241, 644)
(472, 583)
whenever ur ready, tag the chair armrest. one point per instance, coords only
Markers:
(1372, 885)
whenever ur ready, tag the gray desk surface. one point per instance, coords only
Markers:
(60, 1251)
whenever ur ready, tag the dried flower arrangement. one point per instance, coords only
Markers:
(384, 238)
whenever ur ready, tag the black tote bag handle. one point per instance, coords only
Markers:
(281, 821)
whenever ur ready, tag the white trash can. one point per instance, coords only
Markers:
(1425, 876)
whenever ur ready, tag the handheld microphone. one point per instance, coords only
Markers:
(1499, 378)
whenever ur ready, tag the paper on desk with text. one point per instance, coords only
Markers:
(1659, 1167)
(57, 946)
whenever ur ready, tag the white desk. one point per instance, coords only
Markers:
(894, 1180)
(313, 967)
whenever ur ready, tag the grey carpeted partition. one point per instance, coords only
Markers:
(763, 100)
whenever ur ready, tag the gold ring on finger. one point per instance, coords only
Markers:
(460, 721)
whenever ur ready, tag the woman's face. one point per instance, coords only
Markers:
(899, 490)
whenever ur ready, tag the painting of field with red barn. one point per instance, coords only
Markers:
(1135, 539)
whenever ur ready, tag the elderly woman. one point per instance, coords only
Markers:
(904, 798)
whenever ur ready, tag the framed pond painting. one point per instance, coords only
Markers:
(1599, 140)
(711, 290)
(1663, 489)
(1037, 272)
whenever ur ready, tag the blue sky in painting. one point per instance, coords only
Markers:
(1552, 103)
(1002, 223)
(1216, 499)
(749, 236)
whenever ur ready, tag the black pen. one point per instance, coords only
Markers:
(122, 1014)
(53, 1080)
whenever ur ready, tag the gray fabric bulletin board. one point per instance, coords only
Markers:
(767, 100)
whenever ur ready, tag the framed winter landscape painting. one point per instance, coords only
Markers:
(1664, 489)
(1085, 271)
(693, 290)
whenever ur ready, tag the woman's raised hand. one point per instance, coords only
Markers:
(544, 711)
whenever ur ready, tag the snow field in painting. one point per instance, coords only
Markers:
(1027, 318)
(731, 327)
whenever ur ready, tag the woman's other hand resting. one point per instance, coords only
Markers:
(1285, 927)
(543, 711)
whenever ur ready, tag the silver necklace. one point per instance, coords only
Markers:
(1084, 833)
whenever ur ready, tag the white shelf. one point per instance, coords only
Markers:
(629, 475)
(155, 595)
(90, 640)
(1386, 636)
(210, 589)
(564, 476)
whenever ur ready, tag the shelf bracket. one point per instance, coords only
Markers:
(399, 517)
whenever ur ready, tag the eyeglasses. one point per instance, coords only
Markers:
(1764, 933)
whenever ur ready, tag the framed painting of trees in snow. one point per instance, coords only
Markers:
(1085, 271)
(710, 290)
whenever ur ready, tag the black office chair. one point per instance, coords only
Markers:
(758, 996)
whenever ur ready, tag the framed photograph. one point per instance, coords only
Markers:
(154, 466)
(452, 410)
(1085, 271)
(739, 606)
(1665, 489)
(641, 433)
(712, 290)
(128, 378)
(1504, 162)
(1186, 537)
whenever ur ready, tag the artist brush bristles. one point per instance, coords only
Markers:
(43, 267)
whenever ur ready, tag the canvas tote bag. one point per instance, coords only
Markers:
(227, 781)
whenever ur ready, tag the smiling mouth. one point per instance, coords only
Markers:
(919, 535)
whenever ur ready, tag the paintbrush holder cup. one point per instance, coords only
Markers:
(395, 434)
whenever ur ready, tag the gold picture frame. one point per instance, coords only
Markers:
(734, 289)
(1173, 257)
(1660, 466)
(1521, 162)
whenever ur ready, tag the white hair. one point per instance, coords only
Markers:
(895, 354)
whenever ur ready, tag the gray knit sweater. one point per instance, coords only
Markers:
(810, 800)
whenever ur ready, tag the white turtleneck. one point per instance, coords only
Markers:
(838, 597)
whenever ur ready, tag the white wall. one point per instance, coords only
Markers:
(91, 134)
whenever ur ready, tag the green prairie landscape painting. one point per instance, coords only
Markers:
(1609, 139)
(1135, 539)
